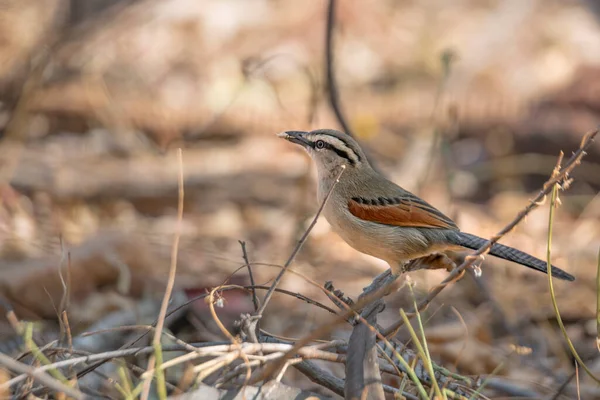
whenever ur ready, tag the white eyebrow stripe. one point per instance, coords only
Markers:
(341, 145)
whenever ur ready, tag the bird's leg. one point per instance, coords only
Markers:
(432, 261)
(397, 268)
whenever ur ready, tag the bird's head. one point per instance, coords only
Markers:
(329, 149)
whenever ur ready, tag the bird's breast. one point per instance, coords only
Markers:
(389, 243)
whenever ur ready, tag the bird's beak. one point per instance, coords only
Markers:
(296, 137)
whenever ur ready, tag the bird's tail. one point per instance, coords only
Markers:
(508, 253)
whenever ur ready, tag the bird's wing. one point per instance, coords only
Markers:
(408, 211)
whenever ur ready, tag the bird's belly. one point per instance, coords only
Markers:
(389, 243)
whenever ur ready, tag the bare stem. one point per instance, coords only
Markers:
(156, 342)
(298, 247)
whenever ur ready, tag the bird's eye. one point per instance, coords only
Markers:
(319, 144)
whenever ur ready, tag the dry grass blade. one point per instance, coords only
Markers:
(487, 380)
(577, 381)
(466, 339)
(422, 344)
(39, 355)
(126, 384)
(552, 294)
(422, 354)
(410, 370)
(157, 359)
(598, 303)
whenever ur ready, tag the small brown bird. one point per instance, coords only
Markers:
(378, 217)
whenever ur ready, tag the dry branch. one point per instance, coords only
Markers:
(363, 379)
(321, 377)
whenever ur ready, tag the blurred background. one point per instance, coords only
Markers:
(467, 103)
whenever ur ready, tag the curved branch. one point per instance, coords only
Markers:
(332, 90)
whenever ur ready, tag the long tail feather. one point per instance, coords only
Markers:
(508, 253)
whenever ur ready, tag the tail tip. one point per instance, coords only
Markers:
(565, 276)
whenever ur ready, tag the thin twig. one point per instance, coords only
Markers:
(332, 89)
(157, 359)
(66, 286)
(178, 341)
(298, 246)
(67, 326)
(248, 265)
(224, 379)
(248, 325)
(457, 273)
(40, 376)
(563, 386)
(403, 394)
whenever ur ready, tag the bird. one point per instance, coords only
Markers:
(377, 217)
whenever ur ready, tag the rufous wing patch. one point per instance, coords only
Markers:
(399, 211)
